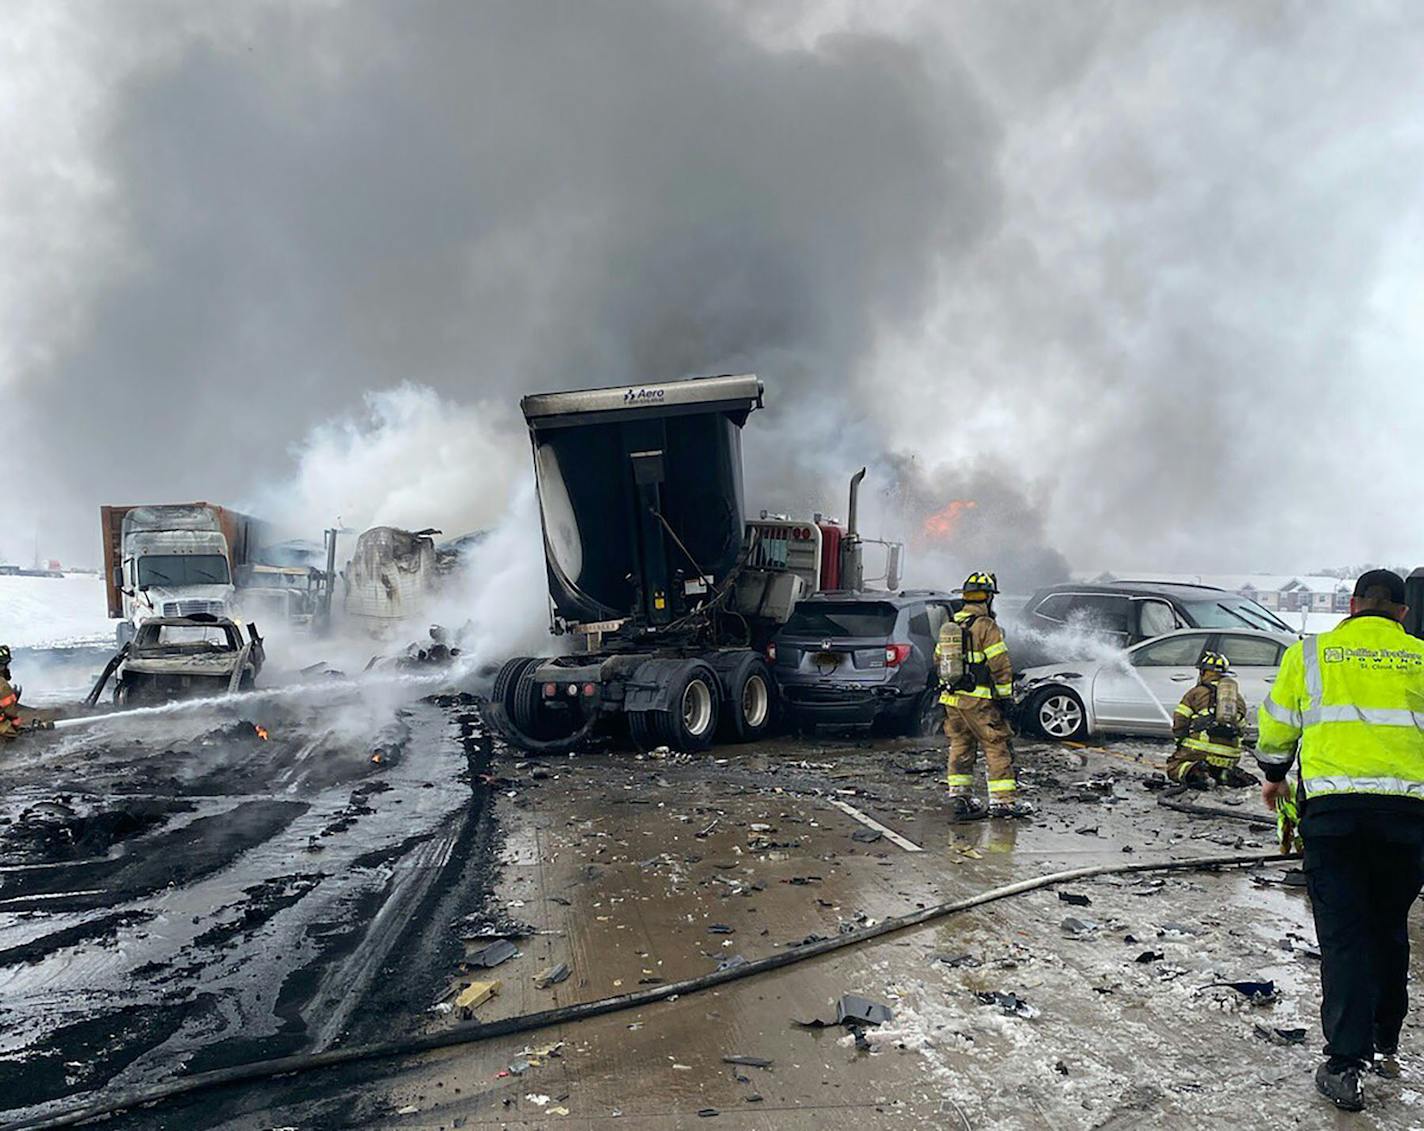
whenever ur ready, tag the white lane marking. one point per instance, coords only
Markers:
(871, 823)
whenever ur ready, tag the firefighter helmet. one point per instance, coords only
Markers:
(1213, 662)
(4, 655)
(980, 582)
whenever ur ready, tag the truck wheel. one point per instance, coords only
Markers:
(507, 680)
(689, 722)
(525, 713)
(749, 706)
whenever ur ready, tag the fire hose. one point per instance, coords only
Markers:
(475, 1032)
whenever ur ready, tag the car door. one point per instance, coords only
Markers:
(1139, 693)
(1255, 660)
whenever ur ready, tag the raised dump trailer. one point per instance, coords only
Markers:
(651, 563)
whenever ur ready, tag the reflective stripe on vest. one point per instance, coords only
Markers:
(1282, 714)
(1391, 787)
(9, 700)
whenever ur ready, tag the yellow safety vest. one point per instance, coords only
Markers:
(1352, 701)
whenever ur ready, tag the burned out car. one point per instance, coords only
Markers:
(178, 657)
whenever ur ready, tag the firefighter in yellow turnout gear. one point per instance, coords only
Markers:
(1208, 724)
(10, 721)
(976, 676)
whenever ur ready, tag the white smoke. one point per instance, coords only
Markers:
(415, 460)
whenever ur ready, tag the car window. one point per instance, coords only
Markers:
(1174, 652)
(1250, 651)
(1099, 613)
(1155, 618)
(938, 614)
(1055, 606)
(213, 636)
(842, 618)
(920, 626)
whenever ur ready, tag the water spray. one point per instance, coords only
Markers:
(325, 691)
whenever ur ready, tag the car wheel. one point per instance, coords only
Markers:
(927, 719)
(1058, 713)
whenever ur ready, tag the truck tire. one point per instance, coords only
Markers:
(689, 721)
(507, 680)
(525, 713)
(748, 699)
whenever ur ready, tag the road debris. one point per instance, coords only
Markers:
(1281, 1036)
(476, 994)
(1010, 1004)
(1257, 993)
(501, 950)
(748, 1061)
(553, 976)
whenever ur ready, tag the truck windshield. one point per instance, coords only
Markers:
(849, 618)
(174, 570)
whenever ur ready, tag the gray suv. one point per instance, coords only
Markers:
(1122, 613)
(863, 658)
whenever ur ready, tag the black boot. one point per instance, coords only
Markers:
(1198, 776)
(1342, 1088)
(967, 809)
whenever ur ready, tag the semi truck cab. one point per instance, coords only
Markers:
(174, 561)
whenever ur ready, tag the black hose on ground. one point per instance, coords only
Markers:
(474, 1032)
(1256, 820)
(496, 717)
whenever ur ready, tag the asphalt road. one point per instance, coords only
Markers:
(186, 896)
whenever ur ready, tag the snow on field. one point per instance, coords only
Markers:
(45, 612)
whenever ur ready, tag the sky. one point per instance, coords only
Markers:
(1143, 282)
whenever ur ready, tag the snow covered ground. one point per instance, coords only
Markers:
(50, 612)
(1311, 622)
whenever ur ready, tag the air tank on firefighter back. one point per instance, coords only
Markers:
(640, 495)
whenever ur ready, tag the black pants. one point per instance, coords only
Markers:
(1361, 886)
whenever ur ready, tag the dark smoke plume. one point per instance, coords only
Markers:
(1136, 275)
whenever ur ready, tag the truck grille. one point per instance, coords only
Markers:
(188, 608)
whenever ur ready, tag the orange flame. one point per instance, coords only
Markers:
(940, 526)
(261, 731)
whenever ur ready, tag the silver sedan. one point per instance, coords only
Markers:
(1135, 691)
